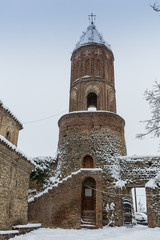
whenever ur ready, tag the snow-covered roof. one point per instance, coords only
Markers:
(11, 114)
(14, 148)
(91, 36)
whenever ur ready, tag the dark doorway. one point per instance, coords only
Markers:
(87, 162)
(88, 216)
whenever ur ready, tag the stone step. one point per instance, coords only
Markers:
(5, 235)
(27, 227)
(88, 222)
(88, 226)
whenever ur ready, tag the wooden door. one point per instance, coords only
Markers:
(88, 198)
(88, 162)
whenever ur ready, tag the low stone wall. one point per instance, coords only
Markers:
(14, 183)
(137, 170)
(22, 229)
(18, 230)
(5, 235)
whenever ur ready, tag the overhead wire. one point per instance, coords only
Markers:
(46, 118)
(119, 194)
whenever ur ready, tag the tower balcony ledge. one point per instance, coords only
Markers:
(91, 120)
(91, 169)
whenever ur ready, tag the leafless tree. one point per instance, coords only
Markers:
(156, 7)
(152, 126)
(141, 207)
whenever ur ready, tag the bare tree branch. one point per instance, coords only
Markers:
(156, 7)
(152, 126)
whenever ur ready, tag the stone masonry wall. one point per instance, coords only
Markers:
(153, 207)
(136, 170)
(100, 135)
(14, 182)
(61, 206)
(9, 127)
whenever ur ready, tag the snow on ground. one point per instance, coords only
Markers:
(107, 233)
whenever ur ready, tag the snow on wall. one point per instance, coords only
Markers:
(102, 144)
(136, 170)
(14, 148)
(29, 225)
(57, 182)
(154, 182)
(10, 113)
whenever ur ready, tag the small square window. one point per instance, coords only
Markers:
(88, 192)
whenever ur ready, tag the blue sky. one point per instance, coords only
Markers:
(37, 38)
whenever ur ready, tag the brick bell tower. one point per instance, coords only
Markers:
(92, 134)
(92, 74)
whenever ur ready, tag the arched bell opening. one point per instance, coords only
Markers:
(92, 101)
(89, 201)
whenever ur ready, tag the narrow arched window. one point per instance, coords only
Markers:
(87, 67)
(77, 70)
(91, 100)
(97, 68)
(88, 162)
(8, 135)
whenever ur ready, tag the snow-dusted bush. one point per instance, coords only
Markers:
(43, 169)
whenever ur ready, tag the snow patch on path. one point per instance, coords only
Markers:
(116, 233)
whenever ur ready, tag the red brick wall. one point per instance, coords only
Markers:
(61, 206)
(92, 70)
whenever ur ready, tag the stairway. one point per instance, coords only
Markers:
(88, 219)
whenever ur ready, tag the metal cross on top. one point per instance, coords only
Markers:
(92, 18)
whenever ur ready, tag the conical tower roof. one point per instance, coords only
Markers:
(91, 35)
